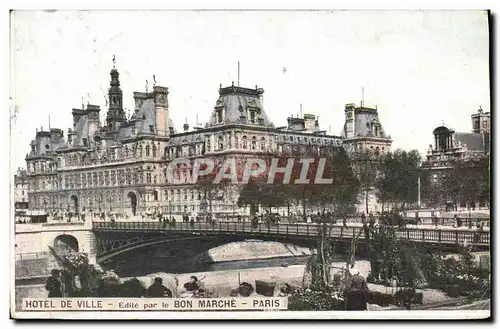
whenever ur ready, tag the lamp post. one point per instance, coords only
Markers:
(470, 219)
(170, 209)
(418, 192)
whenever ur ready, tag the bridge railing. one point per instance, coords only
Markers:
(451, 235)
(33, 255)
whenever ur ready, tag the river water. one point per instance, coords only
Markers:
(145, 261)
(152, 262)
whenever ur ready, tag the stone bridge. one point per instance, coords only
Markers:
(116, 238)
(105, 240)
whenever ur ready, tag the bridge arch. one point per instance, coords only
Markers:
(159, 240)
(66, 241)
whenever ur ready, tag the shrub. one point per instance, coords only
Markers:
(315, 300)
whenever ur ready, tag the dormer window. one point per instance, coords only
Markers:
(251, 116)
(219, 115)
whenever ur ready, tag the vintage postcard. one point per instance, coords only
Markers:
(209, 164)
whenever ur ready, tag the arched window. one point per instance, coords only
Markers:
(254, 143)
(245, 142)
(262, 144)
(147, 150)
(220, 142)
(155, 195)
(154, 150)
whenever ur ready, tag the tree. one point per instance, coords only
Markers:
(468, 180)
(365, 164)
(398, 179)
(432, 190)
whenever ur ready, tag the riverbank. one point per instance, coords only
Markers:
(220, 283)
(256, 249)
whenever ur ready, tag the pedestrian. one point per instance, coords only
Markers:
(344, 222)
(157, 289)
(371, 219)
(192, 285)
(434, 220)
(53, 284)
(357, 293)
(363, 217)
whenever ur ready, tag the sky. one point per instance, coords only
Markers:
(420, 68)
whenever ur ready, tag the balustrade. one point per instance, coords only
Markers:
(453, 236)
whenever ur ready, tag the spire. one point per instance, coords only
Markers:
(154, 80)
(115, 112)
(186, 126)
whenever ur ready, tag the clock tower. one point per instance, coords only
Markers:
(115, 115)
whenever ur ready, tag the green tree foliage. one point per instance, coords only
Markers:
(392, 257)
(366, 166)
(341, 193)
(397, 183)
(468, 180)
(433, 193)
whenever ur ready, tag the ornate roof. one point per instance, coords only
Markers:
(365, 121)
(472, 141)
(236, 103)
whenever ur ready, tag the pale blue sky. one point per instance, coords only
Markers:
(419, 67)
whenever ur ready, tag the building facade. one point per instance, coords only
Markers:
(120, 167)
(365, 139)
(20, 192)
(450, 146)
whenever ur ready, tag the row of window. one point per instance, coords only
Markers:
(111, 155)
(91, 200)
(121, 177)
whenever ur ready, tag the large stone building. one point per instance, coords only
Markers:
(120, 167)
(20, 192)
(450, 146)
(364, 135)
